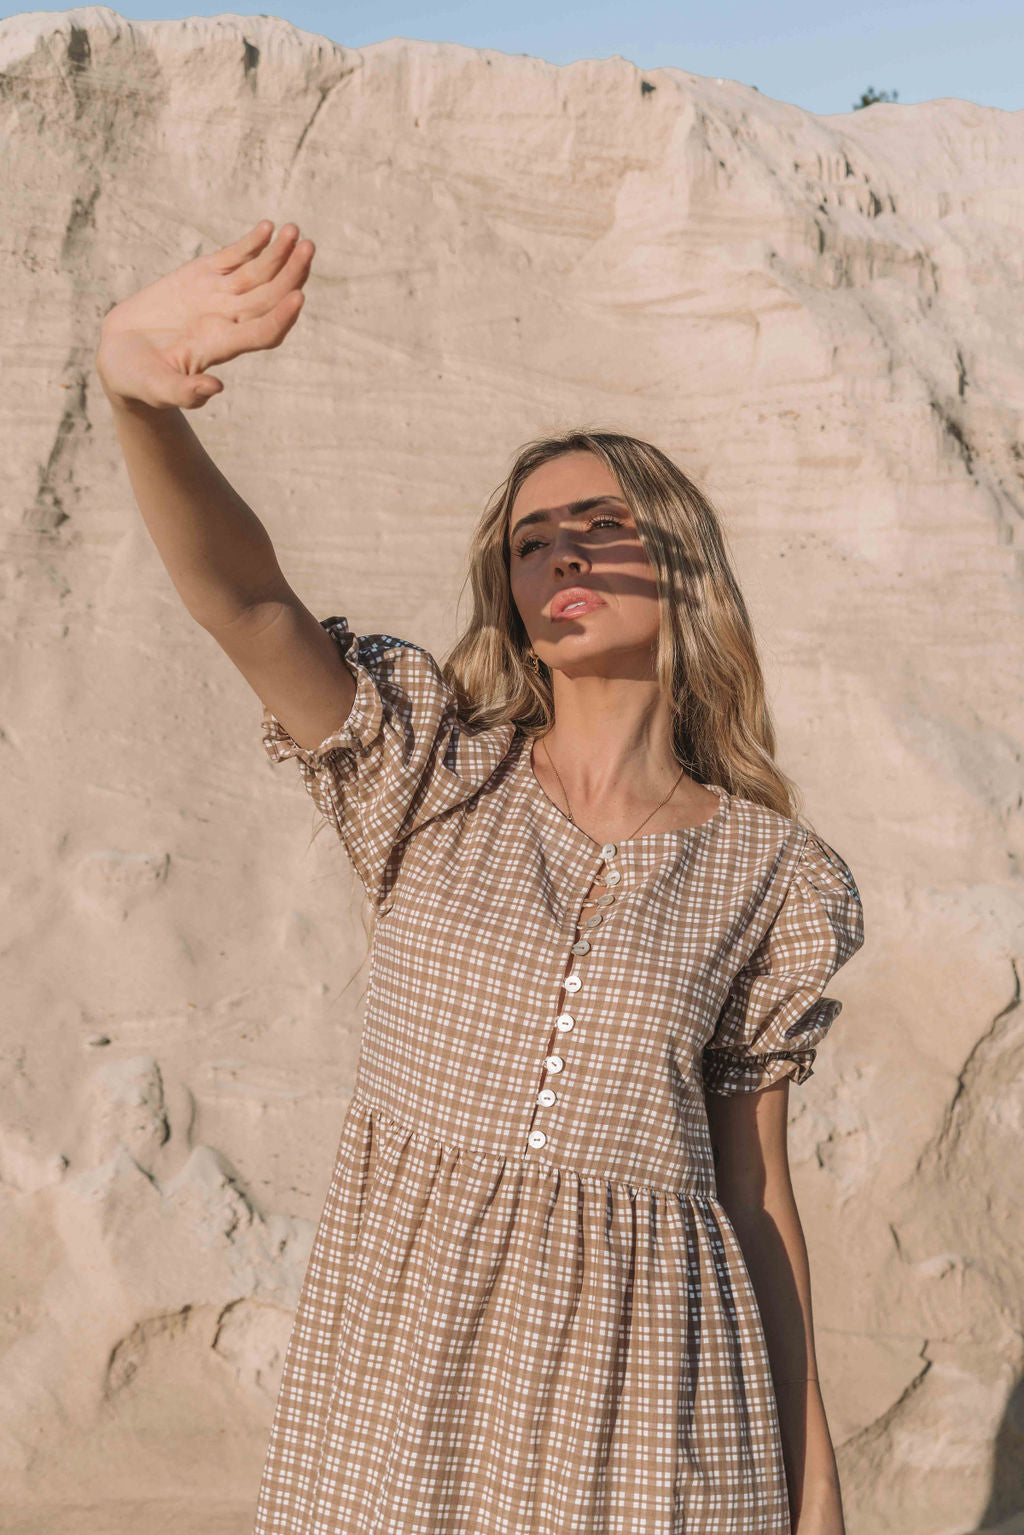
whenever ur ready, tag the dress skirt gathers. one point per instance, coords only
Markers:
(526, 1311)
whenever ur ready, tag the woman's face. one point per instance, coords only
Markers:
(570, 527)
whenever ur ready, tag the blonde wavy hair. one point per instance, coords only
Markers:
(706, 655)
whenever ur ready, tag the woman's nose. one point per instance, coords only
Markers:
(568, 557)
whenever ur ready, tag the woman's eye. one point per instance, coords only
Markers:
(595, 522)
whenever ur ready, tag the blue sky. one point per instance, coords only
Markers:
(820, 57)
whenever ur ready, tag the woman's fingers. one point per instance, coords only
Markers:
(269, 330)
(290, 274)
(231, 256)
(160, 383)
(221, 341)
(262, 268)
(200, 389)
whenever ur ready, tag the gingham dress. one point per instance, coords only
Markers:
(525, 1309)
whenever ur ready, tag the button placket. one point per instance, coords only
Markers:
(572, 984)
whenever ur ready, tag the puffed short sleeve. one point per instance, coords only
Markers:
(400, 758)
(776, 1015)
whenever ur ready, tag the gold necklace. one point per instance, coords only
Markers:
(646, 818)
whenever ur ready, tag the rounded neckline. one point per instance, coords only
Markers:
(537, 792)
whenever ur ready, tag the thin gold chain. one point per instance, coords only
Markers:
(646, 818)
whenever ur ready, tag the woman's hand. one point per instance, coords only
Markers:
(156, 345)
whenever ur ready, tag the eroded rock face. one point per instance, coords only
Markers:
(817, 318)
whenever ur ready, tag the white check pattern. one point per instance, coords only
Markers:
(526, 1311)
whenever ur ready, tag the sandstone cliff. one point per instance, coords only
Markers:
(819, 317)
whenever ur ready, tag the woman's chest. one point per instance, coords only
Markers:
(499, 915)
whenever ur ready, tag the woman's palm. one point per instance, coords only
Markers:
(156, 345)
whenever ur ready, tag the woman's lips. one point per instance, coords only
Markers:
(575, 609)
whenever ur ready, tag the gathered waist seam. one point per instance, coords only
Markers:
(489, 1154)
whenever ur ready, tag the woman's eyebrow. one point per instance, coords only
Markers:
(574, 509)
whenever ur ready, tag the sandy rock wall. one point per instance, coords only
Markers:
(818, 318)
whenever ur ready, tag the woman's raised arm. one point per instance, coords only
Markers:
(155, 348)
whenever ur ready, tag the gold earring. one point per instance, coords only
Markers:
(533, 659)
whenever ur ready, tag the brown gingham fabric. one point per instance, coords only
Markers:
(525, 1308)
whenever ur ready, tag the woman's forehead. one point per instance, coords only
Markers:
(558, 482)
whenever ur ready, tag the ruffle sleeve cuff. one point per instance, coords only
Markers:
(401, 758)
(775, 1015)
(364, 721)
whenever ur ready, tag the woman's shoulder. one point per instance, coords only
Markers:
(795, 848)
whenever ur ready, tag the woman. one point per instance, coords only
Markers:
(560, 1281)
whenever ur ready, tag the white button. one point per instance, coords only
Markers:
(537, 1138)
(572, 983)
(605, 900)
(546, 1097)
(564, 1022)
(613, 876)
(594, 921)
(553, 1062)
(609, 850)
(581, 947)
